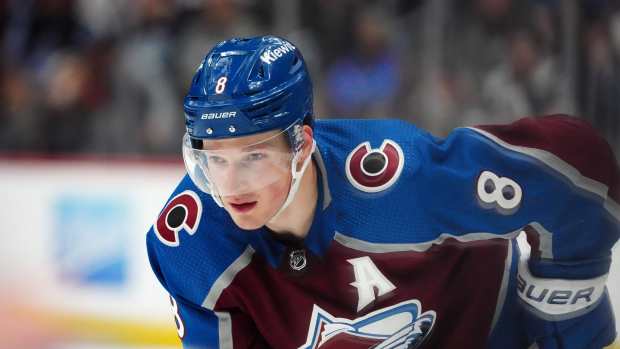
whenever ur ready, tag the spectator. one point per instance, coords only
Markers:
(529, 83)
(124, 63)
(19, 109)
(366, 79)
(600, 85)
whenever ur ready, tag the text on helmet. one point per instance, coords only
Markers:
(270, 56)
(222, 115)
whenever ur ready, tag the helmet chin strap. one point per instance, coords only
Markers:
(296, 179)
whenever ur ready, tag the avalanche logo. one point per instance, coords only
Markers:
(400, 326)
(183, 211)
(374, 170)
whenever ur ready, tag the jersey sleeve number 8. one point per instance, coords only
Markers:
(177, 318)
(497, 192)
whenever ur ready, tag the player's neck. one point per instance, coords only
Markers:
(297, 218)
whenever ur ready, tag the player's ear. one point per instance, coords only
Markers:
(306, 149)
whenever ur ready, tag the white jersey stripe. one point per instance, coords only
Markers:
(225, 330)
(227, 277)
(501, 297)
(373, 247)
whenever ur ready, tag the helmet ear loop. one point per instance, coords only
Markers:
(298, 174)
(296, 178)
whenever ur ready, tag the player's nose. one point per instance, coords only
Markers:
(235, 180)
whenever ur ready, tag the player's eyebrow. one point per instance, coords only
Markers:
(266, 145)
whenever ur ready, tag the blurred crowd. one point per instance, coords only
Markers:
(108, 76)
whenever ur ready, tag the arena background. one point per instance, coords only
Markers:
(91, 122)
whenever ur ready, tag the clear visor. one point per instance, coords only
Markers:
(239, 166)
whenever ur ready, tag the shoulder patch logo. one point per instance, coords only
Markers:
(182, 212)
(402, 325)
(374, 170)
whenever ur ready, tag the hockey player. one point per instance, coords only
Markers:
(290, 232)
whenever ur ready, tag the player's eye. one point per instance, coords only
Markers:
(255, 157)
(217, 160)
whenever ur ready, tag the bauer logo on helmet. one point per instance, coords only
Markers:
(223, 115)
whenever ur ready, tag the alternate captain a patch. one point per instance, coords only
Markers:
(374, 170)
(400, 326)
(182, 212)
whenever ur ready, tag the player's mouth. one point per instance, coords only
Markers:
(243, 207)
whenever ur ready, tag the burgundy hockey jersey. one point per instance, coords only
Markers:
(419, 252)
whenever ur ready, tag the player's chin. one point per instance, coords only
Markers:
(248, 223)
(247, 220)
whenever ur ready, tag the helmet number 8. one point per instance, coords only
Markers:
(221, 85)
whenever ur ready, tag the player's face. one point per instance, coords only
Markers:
(252, 175)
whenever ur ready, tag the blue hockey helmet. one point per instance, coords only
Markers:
(246, 86)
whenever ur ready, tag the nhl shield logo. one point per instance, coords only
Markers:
(401, 326)
(297, 259)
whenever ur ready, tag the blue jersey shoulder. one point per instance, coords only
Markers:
(372, 168)
(464, 184)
